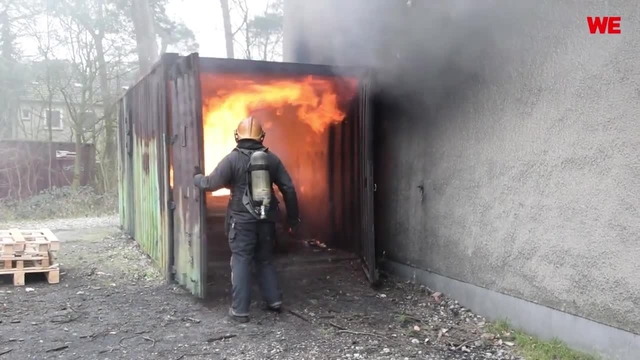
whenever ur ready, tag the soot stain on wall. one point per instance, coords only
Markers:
(511, 138)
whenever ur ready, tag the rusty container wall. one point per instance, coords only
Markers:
(144, 164)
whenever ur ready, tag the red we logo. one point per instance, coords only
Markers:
(604, 24)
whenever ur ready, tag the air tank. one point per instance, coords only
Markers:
(260, 182)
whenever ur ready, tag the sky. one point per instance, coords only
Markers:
(204, 18)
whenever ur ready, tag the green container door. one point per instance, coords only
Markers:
(189, 242)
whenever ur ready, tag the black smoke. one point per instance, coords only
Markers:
(434, 52)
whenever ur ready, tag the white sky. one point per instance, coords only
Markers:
(204, 18)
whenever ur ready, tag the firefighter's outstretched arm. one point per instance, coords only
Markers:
(219, 178)
(285, 185)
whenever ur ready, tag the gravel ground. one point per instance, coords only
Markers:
(111, 304)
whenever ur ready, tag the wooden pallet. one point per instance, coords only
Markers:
(32, 242)
(29, 251)
(18, 266)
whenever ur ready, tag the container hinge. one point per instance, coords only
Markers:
(375, 187)
(172, 205)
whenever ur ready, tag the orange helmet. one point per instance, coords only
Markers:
(249, 128)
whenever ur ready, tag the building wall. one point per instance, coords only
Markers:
(34, 126)
(512, 138)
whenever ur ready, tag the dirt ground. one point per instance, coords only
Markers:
(111, 304)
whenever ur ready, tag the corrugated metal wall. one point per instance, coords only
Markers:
(144, 170)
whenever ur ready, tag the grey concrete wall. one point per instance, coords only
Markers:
(524, 131)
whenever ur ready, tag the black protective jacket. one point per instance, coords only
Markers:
(231, 173)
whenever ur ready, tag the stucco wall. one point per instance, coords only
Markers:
(524, 133)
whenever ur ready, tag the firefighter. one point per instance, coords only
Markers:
(251, 235)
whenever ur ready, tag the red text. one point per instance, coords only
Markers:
(604, 24)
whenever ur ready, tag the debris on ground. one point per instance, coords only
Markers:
(111, 303)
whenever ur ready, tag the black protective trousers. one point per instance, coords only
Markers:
(252, 243)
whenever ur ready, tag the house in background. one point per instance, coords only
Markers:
(55, 108)
(57, 111)
(59, 101)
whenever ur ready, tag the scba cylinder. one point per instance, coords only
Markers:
(260, 182)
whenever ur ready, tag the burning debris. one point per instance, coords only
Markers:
(316, 244)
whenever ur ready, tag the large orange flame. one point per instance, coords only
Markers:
(230, 98)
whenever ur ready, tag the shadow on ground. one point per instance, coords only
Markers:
(111, 304)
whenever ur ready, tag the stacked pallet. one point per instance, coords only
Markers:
(29, 251)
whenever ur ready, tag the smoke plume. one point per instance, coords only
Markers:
(424, 49)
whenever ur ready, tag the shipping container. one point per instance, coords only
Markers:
(143, 180)
(183, 115)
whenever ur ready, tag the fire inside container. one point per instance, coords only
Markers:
(298, 114)
(182, 116)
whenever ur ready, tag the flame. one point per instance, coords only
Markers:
(230, 98)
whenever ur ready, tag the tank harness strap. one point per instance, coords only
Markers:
(248, 153)
(253, 167)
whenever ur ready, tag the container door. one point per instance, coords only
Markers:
(368, 246)
(189, 253)
(127, 215)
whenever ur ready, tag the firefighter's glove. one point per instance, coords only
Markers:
(197, 176)
(197, 180)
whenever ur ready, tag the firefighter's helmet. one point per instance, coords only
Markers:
(250, 128)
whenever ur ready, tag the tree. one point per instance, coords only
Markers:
(86, 52)
(48, 76)
(12, 16)
(170, 32)
(267, 30)
(151, 25)
(104, 23)
(261, 34)
(7, 64)
(119, 29)
(226, 21)
(78, 91)
(147, 46)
